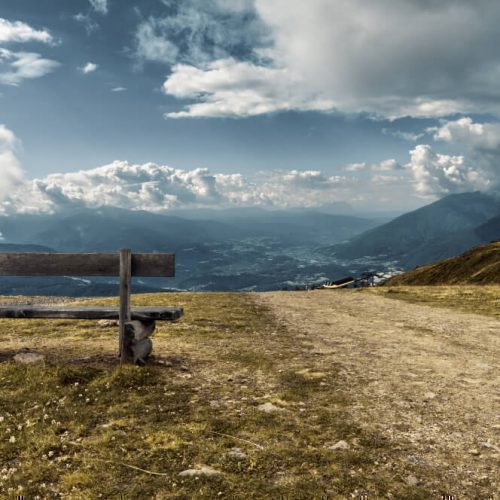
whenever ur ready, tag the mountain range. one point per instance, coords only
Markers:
(442, 229)
(252, 249)
(255, 249)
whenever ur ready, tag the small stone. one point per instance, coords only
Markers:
(214, 403)
(412, 481)
(27, 358)
(417, 460)
(107, 323)
(269, 408)
(429, 395)
(486, 444)
(237, 453)
(475, 452)
(166, 362)
(341, 445)
(204, 470)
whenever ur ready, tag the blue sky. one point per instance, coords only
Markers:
(160, 104)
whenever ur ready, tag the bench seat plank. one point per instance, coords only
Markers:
(90, 312)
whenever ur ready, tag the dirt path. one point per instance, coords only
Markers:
(425, 378)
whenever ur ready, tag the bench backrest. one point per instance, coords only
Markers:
(85, 264)
(124, 264)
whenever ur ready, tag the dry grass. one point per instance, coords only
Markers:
(467, 298)
(83, 427)
(478, 266)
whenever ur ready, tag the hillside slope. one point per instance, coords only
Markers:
(479, 266)
(442, 229)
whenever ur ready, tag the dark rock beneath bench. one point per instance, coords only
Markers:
(138, 345)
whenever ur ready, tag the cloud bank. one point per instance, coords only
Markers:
(158, 188)
(383, 166)
(412, 57)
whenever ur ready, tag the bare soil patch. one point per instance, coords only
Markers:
(424, 379)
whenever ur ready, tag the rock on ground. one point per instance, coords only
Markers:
(27, 358)
(269, 408)
(204, 470)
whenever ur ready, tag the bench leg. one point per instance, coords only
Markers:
(137, 344)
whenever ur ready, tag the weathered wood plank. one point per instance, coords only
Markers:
(85, 264)
(90, 312)
(151, 265)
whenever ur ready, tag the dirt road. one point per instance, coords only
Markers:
(425, 378)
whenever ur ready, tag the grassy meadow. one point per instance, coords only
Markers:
(81, 426)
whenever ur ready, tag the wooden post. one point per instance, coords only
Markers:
(125, 315)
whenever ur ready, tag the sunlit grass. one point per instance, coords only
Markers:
(81, 426)
(480, 299)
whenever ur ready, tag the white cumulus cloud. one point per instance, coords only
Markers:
(484, 136)
(10, 168)
(90, 67)
(480, 143)
(21, 66)
(238, 89)
(16, 66)
(438, 174)
(17, 31)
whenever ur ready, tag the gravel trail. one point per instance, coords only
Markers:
(426, 378)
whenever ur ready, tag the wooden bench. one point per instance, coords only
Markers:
(135, 324)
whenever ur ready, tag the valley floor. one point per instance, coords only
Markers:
(424, 379)
(322, 394)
